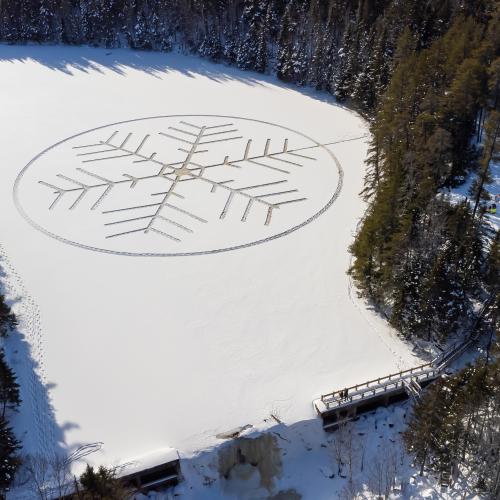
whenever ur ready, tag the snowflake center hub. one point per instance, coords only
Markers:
(179, 172)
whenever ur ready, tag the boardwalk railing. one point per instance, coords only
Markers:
(376, 387)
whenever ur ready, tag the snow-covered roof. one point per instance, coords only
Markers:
(148, 461)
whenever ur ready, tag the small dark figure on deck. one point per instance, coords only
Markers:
(346, 392)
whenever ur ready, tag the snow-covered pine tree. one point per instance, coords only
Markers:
(284, 57)
(100, 21)
(47, 26)
(442, 308)
(491, 152)
(68, 19)
(492, 267)
(381, 62)
(253, 50)
(7, 317)
(344, 71)
(317, 46)
(372, 78)
(300, 53)
(9, 388)
(374, 166)
(101, 483)
(230, 45)
(8, 22)
(262, 58)
(408, 298)
(363, 80)
(141, 33)
(9, 459)
(161, 36)
(211, 46)
(330, 56)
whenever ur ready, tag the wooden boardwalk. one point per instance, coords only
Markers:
(340, 406)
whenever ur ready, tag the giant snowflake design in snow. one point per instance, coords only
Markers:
(178, 185)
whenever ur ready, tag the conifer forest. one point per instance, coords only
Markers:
(425, 75)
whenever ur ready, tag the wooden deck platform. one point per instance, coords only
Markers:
(152, 472)
(338, 407)
(341, 406)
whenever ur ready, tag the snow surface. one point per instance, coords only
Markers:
(310, 468)
(145, 353)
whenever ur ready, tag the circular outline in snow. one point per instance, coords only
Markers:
(176, 254)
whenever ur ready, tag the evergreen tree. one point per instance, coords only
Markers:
(102, 484)
(47, 27)
(284, 60)
(344, 72)
(317, 63)
(491, 152)
(425, 424)
(8, 320)
(211, 46)
(9, 459)
(253, 51)
(492, 270)
(230, 46)
(9, 388)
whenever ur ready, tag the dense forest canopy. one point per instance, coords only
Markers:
(426, 74)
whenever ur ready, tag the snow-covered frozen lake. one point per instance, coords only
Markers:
(182, 246)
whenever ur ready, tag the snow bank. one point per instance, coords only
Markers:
(461, 192)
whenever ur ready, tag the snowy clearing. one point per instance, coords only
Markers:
(461, 192)
(147, 352)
